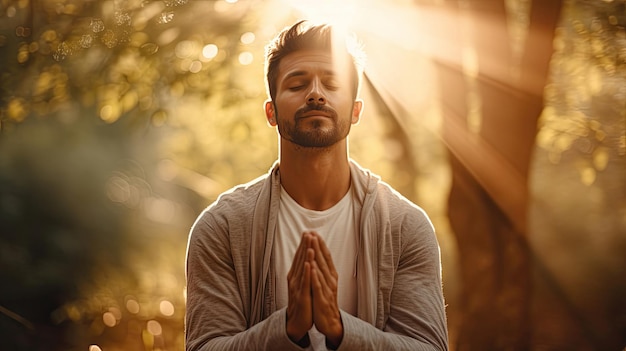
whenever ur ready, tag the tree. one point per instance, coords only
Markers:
(492, 99)
(102, 162)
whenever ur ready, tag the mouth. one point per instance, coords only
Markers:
(313, 113)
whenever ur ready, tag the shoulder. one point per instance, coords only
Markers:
(406, 219)
(399, 207)
(228, 213)
(239, 198)
(386, 198)
(411, 229)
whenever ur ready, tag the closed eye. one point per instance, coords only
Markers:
(331, 84)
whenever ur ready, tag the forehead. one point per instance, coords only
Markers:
(310, 62)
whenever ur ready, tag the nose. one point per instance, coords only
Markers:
(316, 94)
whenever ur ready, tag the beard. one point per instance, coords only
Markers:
(316, 133)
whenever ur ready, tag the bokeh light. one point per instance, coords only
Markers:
(166, 308)
(154, 327)
(247, 38)
(246, 58)
(132, 306)
(108, 318)
(209, 51)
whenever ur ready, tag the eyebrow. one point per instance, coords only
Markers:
(300, 73)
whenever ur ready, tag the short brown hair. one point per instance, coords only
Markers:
(305, 36)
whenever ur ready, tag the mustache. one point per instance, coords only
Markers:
(315, 107)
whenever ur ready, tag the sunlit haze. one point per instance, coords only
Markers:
(120, 121)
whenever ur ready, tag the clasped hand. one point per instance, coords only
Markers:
(312, 284)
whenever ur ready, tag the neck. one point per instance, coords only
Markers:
(315, 178)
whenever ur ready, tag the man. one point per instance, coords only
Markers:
(318, 253)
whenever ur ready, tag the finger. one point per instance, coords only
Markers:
(325, 309)
(305, 282)
(306, 278)
(298, 258)
(317, 287)
(319, 283)
(326, 254)
(323, 257)
(296, 272)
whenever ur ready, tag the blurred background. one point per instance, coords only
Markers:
(121, 120)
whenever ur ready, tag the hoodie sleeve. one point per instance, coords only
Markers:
(216, 308)
(411, 305)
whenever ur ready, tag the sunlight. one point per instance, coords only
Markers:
(396, 21)
(338, 13)
(170, 117)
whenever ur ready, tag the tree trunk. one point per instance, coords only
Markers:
(490, 121)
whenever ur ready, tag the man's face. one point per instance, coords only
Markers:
(313, 105)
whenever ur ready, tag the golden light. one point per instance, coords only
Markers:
(223, 6)
(17, 109)
(246, 58)
(340, 13)
(195, 66)
(166, 308)
(118, 189)
(154, 327)
(168, 36)
(406, 44)
(159, 209)
(110, 113)
(11, 11)
(185, 49)
(109, 320)
(210, 51)
(148, 12)
(247, 38)
(132, 306)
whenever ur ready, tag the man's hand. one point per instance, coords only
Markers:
(324, 280)
(299, 306)
(312, 284)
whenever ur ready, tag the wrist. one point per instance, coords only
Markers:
(295, 336)
(299, 337)
(334, 338)
(333, 344)
(303, 342)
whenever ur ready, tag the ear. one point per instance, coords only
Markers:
(270, 113)
(357, 108)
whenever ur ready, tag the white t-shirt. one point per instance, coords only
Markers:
(337, 226)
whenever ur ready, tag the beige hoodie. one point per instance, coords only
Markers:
(230, 280)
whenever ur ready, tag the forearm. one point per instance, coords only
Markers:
(269, 334)
(216, 317)
(360, 335)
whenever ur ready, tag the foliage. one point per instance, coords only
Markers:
(111, 115)
(128, 58)
(58, 226)
(586, 119)
(145, 110)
